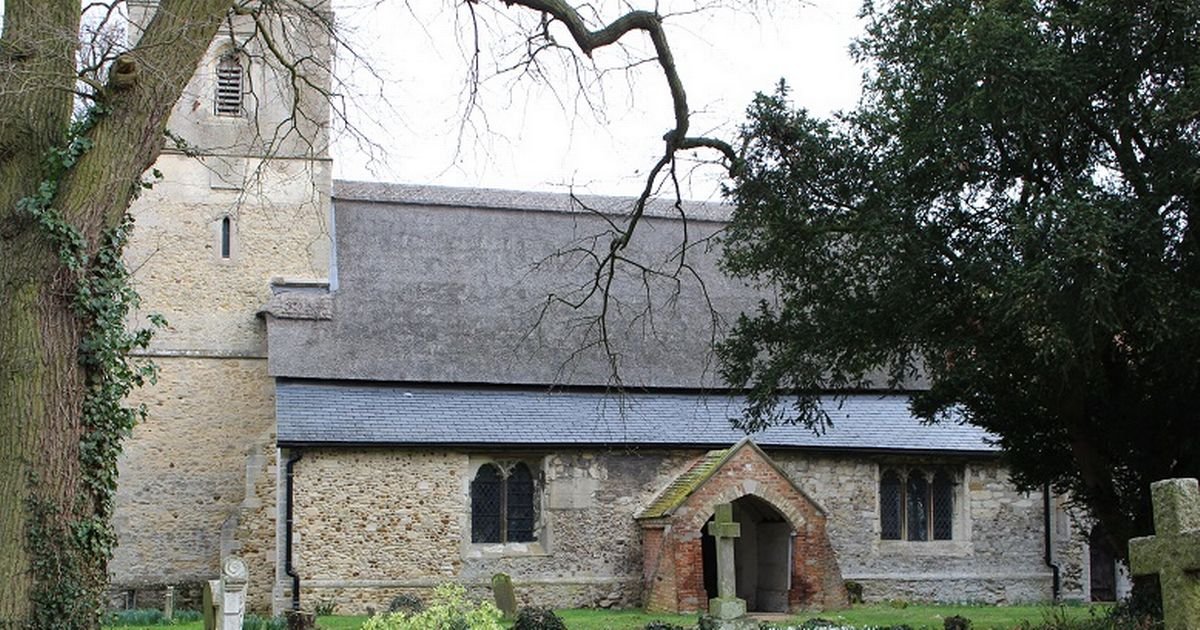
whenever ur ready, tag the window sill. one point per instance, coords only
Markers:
(926, 548)
(505, 550)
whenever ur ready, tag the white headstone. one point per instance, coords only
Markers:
(233, 593)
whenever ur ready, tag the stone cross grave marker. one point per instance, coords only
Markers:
(506, 598)
(1174, 551)
(725, 530)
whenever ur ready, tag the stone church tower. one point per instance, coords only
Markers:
(243, 199)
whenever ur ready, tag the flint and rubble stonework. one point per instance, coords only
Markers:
(996, 553)
(372, 524)
(375, 523)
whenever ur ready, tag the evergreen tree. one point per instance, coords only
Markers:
(1010, 214)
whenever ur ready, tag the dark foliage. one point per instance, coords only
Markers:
(956, 622)
(1011, 214)
(535, 618)
(406, 603)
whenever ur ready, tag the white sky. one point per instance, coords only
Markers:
(524, 137)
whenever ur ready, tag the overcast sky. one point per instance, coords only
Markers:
(544, 135)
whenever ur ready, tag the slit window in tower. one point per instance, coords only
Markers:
(225, 237)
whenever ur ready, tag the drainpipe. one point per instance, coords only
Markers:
(1049, 542)
(293, 457)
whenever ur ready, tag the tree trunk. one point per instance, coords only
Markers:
(52, 572)
(40, 394)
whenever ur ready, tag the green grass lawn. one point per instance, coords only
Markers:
(917, 616)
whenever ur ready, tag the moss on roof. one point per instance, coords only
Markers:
(685, 484)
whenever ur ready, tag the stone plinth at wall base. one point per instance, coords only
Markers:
(740, 623)
(300, 620)
(726, 607)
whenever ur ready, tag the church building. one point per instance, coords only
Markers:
(366, 390)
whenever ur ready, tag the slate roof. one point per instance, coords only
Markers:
(341, 413)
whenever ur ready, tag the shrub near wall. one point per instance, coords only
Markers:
(448, 609)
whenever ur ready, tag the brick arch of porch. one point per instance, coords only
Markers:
(674, 570)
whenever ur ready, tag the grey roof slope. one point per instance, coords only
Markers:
(310, 413)
(523, 200)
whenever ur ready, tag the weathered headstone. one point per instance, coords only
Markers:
(169, 604)
(223, 603)
(506, 598)
(729, 611)
(1174, 551)
(210, 604)
(234, 577)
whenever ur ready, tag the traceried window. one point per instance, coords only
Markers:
(916, 504)
(229, 92)
(503, 504)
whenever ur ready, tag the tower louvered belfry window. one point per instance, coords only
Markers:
(915, 505)
(230, 88)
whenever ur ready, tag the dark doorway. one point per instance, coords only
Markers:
(1103, 567)
(763, 556)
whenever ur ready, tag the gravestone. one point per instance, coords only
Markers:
(234, 577)
(169, 604)
(224, 601)
(210, 604)
(506, 598)
(727, 610)
(1174, 551)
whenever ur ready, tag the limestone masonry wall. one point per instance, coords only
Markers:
(375, 523)
(184, 474)
(198, 476)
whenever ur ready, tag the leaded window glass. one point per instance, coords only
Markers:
(520, 514)
(890, 507)
(486, 508)
(916, 506)
(943, 506)
(503, 504)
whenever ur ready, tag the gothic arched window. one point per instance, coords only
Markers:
(913, 506)
(503, 506)
(891, 508)
(519, 505)
(229, 92)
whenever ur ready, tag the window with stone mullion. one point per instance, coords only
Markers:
(917, 506)
(503, 509)
(913, 507)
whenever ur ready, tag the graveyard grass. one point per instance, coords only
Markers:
(917, 616)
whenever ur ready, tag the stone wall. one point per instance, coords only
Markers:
(185, 473)
(373, 524)
(996, 554)
(197, 479)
